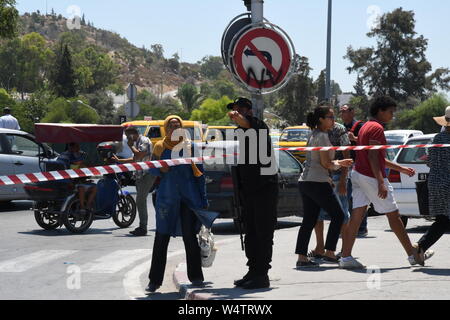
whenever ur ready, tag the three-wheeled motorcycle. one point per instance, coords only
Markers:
(56, 203)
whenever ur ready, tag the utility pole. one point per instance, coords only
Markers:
(328, 72)
(257, 12)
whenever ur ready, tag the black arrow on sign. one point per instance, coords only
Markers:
(266, 54)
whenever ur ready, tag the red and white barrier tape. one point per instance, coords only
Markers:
(130, 167)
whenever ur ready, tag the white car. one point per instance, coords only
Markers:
(400, 137)
(19, 154)
(404, 186)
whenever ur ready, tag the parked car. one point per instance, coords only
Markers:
(293, 137)
(400, 137)
(219, 183)
(19, 154)
(405, 186)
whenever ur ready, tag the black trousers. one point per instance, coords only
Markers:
(435, 232)
(193, 256)
(260, 218)
(316, 196)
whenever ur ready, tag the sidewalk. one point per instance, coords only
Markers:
(388, 274)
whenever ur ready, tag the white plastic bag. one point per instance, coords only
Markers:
(207, 248)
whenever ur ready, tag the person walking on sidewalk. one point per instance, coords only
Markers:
(370, 184)
(259, 193)
(338, 137)
(142, 151)
(438, 186)
(353, 127)
(316, 188)
(180, 193)
(8, 121)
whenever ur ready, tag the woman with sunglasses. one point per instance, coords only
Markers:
(316, 187)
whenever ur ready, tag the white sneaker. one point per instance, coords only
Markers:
(427, 255)
(350, 264)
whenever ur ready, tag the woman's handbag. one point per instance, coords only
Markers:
(207, 248)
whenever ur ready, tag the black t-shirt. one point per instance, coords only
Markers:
(250, 174)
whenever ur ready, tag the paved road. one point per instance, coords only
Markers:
(103, 263)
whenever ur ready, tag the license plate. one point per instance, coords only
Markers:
(423, 176)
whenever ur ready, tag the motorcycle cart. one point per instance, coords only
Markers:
(56, 203)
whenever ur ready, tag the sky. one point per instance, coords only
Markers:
(194, 28)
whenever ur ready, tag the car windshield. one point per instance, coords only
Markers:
(416, 155)
(394, 138)
(141, 129)
(295, 135)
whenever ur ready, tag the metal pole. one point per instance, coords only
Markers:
(328, 72)
(257, 99)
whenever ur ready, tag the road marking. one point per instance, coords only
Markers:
(116, 261)
(132, 282)
(33, 260)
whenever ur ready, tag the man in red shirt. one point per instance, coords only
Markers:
(370, 185)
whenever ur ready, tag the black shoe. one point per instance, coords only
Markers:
(240, 282)
(198, 283)
(260, 282)
(139, 232)
(151, 288)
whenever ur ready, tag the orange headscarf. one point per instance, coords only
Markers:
(168, 143)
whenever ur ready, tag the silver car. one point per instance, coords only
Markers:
(19, 154)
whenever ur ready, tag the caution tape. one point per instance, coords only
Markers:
(138, 166)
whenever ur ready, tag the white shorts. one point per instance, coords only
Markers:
(365, 192)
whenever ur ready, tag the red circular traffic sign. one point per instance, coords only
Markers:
(262, 58)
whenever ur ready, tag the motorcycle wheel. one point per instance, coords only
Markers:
(73, 221)
(46, 221)
(125, 211)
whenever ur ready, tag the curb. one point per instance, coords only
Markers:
(184, 286)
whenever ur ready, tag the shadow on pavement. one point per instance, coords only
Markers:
(228, 228)
(161, 296)
(12, 206)
(381, 270)
(434, 272)
(232, 293)
(62, 232)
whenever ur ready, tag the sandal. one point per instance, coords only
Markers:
(330, 260)
(313, 254)
(306, 264)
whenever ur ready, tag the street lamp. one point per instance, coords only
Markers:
(328, 72)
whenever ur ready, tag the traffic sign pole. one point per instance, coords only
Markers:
(257, 98)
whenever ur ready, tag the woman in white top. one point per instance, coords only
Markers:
(316, 188)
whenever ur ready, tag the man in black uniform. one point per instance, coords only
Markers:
(259, 193)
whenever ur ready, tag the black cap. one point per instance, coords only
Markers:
(241, 102)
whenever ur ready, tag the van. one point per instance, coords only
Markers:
(154, 129)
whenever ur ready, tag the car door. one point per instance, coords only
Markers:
(25, 158)
(6, 167)
(289, 197)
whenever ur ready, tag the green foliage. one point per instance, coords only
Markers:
(103, 104)
(421, 117)
(63, 80)
(6, 100)
(33, 109)
(189, 96)
(218, 88)
(70, 111)
(211, 67)
(213, 112)
(9, 17)
(150, 105)
(397, 66)
(298, 96)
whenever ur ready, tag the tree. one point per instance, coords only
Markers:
(397, 66)
(33, 109)
(158, 51)
(189, 96)
(103, 104)
(64, 79)
(320, 85)
(213, 112)
(421, 117)
(210, 67)
(298, 96)
(9, 17)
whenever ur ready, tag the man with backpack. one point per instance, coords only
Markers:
(353, 126)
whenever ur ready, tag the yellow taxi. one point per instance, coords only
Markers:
(293, 137)
(154, 129)
(217, 133)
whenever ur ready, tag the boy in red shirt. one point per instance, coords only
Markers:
(370, 185)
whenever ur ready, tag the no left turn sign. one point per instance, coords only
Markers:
(262, 59)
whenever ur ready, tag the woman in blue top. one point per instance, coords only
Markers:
(180, 198)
